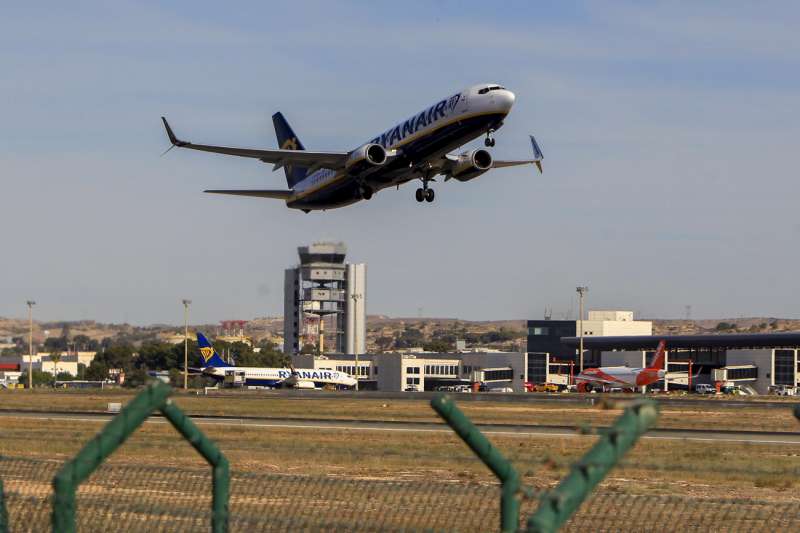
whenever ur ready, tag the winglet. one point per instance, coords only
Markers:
(537, 154)
(172, 139)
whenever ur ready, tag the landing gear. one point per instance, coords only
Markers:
(425, 194)
(366, 192)
(489, 142)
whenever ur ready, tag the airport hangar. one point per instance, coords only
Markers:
(751, 360)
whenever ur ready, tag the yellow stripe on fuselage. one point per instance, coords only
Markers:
(343, 173)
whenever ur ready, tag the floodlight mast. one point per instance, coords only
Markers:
(30, 303)
(582, 290)
(186, 304)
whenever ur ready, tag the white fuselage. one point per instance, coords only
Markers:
(424, 137)
(271, 377)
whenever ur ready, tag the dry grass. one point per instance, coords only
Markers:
(705, 415)
(653, 467)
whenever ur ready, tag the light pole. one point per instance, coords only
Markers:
(581, 291)
(355, 298)
(30, 303)
(186, 304)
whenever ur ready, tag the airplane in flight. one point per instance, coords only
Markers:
(418, 148)
(215, 367)
(622, 376)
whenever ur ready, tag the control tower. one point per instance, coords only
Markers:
(325, 297)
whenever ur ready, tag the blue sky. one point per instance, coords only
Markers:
(669, 131)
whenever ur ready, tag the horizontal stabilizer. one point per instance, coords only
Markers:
(259, 193)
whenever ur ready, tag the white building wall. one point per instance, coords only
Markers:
(611, 316)
(762, 358)
(356, 309)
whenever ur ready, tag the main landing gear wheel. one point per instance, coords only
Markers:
(420, 194)
(429, 195)
(366, 192)
(489, 142)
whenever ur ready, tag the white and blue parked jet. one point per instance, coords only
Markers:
(215, 367)
(417, 148)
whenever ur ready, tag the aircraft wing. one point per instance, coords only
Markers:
(260, 193)
(537, 158)
(280, 158)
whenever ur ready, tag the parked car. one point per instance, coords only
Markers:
(705, 388)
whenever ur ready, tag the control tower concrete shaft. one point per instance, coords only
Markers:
(325, 292)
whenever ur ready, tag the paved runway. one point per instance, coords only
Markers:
(752, 437)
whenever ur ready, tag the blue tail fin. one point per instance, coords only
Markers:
(287, 140)
(210, 355)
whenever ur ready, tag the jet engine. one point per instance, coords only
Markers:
(367, 156)
(471, 164)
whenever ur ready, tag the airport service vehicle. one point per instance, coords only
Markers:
(705, 388)
(215, 367)
(417, 148)
(783, 390)
(623, 377)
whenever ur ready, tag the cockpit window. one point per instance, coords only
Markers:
(490, 88)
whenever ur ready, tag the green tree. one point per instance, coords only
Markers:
(64, 376)
(309, 348)
(55, 344)
(438, 346)
(384, 343)
(136, 377)
(83, 343)
(39, 378)
(724, 326)
(56, 358)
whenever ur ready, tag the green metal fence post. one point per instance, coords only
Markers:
(3, 510)
(218, 462)
(559, 504)
(98, 449)
(154, 397)
(491, 457)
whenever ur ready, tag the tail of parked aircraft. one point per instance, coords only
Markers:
(658, 360)
(287, 140)
(210, 355)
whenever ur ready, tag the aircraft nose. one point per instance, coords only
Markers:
(504, 100)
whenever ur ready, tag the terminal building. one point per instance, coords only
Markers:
(552, 361)
(756, 362)
(426, 371)
(325, 301)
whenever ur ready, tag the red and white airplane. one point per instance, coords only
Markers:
(623, 377)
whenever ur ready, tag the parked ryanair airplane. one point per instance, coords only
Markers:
(215, 367)
(417, 148)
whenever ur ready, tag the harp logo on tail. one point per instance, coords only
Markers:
(207, 352)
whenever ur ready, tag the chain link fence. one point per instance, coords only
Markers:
(137, 498)
(92, 494)
(155, 499)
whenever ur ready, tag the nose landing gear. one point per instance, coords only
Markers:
(489, 142)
